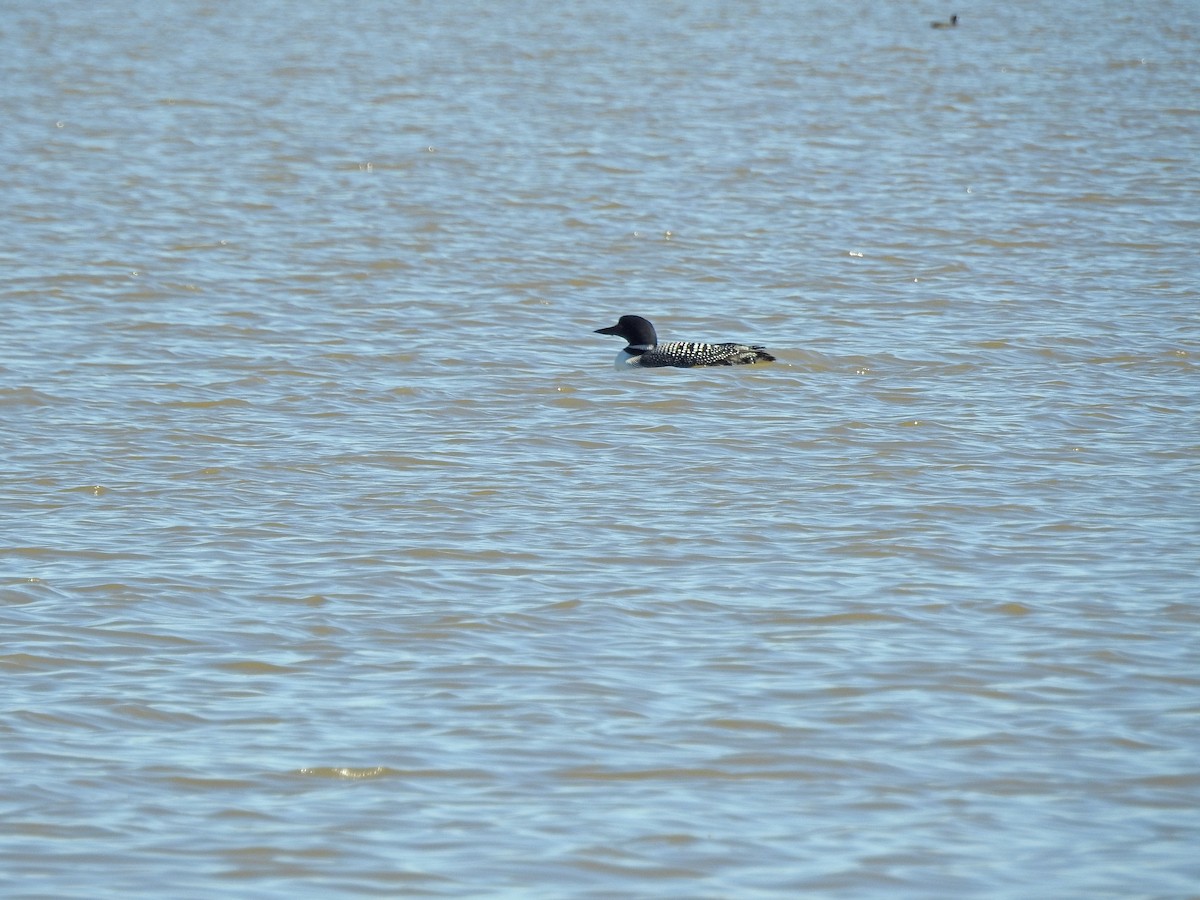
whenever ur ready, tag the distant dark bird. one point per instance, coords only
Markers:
(644, 350)
(952, 23)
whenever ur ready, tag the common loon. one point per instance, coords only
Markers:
(951, 24)
(644, 349)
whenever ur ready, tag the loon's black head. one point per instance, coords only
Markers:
(636, 331)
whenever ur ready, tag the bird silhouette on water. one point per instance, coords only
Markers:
(643, 349)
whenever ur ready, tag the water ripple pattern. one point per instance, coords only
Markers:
(336, 560)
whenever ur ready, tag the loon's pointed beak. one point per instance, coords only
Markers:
(611, 329)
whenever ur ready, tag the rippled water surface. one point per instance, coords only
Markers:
(337, 560)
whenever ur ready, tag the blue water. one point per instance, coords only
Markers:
(336, 560)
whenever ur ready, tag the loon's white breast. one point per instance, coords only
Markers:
(624, 360)
(627, 360)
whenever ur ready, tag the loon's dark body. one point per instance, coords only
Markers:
(644, 350)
